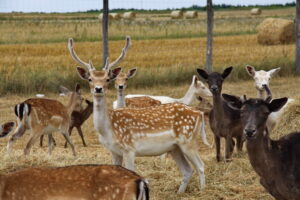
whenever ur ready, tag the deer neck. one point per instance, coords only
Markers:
(258, 150)
(121, 99)
(188, 97)
(71, 105)
(102, 122)
(87, 112)
(218, 109)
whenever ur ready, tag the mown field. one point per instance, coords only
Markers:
(35, 59)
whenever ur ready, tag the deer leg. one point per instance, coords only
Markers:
(117, 159)
(19, 132)
(31, 142)
(232, 146)
(184, 167)
(81, 135)
(193, 156)
(41, 140)
(50, 144)
(218, 147)
(70, 133)
(129, 158)
(239, 141)
(228, 147)
(66, 135)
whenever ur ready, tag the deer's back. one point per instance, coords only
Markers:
(73, 182)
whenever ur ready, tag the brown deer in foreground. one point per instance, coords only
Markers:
(45, 116)
(88, 182)
(150, 131)
(275, 161)
(77, 119)
(224, 121)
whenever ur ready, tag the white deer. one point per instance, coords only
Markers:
(262, 78)
(151, 131)
(197, 88)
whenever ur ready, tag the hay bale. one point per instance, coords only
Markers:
(177, 14)
(255, 11)
(115, 16)
(129, 15)
(191, 14)
(276, 31)
(289, 121)
(110, 17)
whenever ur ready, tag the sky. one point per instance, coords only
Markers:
(84, 5)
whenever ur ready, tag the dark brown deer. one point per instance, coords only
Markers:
(224, 121)
(78, 118)
(275, 161)
(89, 182)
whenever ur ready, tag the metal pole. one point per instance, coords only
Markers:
(209, 44)
(105, 31)
(297, 24)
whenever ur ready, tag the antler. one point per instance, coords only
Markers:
(269, 94)
(76, 58)
(108, 66)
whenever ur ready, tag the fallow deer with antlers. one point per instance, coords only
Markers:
(88, 182)
(44, 116)
(151, 131)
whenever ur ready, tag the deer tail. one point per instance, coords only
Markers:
(22, 110)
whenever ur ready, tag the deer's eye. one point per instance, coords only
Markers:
(90, 80)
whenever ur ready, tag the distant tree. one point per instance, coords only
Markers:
(209, 44)
(297, 37)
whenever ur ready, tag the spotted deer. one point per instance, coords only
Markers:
(120, 85)
(197, 88)
(262, 78)
(45, 116)
(89, 182)
(151, 131)
(139, 102)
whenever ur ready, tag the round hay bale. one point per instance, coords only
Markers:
(255, 11)
(177, 14)
(289, 121)
(129, 15)
(115, 16)
(274, 31)
(100, 17)
(191, 14)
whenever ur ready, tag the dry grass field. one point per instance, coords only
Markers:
(235, 180)
(35, 59)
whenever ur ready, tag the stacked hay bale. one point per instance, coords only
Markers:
(274, 31)
(289, 121)
(115, 16)
(191, 14)
(255, 11)
(110, 17)
(177, 14)
(129, 15)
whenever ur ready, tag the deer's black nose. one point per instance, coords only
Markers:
(249, 132)
(121, 87)
(214, 88)
(98, 90)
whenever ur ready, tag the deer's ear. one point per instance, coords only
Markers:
(226, 72)
(77, 88)
(273, 72)
(277, 104)
(114, 73)
(234, 101)
(83, 73)
(250, 70)
(202, 73)
(131, 73)
(64, 90)
(6, 128)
